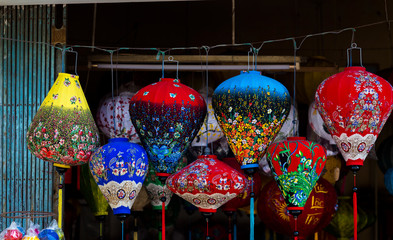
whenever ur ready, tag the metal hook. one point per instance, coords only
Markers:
(349, 54)
(76, 59)
(170, 59)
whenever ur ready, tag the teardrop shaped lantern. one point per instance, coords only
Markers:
(119, 168)
(251, 109)
(296, 165)
(167, 115)
(63, 130)
(354, 105)
(113, 117)
(318, 210)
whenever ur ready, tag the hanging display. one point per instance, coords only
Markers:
(113, 117)
(167, 115)
(63, 130)
(354, 105)
(213, 131)
(318, 210)
(207, 183)
(251, 109)
(119, 168)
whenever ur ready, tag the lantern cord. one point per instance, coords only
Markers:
(207, 229)
(234, 226)
(295, 234)
(163, 220)
(230, 228)
(113, 95)
(252, 209)
(295, 133)
(355, 208)
(122, 230)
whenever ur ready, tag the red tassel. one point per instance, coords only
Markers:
(163, 221)
(207, 228)
(295, 237)
(355, 210)
(230, 236)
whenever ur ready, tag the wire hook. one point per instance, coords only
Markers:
(170, 59)
(354, 46)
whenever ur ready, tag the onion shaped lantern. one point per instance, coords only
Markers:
(167, 115)
(113, 117)
(251, 109)
(63, 130)
(318, 210)
(296, 165)
(119, 168)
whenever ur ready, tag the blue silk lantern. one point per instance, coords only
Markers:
(389, 180)
(119, 168)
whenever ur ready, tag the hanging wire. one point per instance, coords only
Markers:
(294, 121)
(113, 95)
(207, 49)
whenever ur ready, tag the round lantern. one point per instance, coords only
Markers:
(207, 183)
(119, 169)
(389, 180)
(318, 126)
(296, 165)
(167, 115)
(251, 109)
(63, 130)
(213, 131)
(113, 117)
(354, 105)
(318, 210)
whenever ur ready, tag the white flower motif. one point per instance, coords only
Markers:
(269, 111)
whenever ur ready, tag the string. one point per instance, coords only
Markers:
(110, 49)
(295, 133)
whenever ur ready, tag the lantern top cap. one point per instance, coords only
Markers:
(118, 140)
(173, 80)
(69, 75)
(251, 72)
(356, 68)
(296, 138)
(208, 156)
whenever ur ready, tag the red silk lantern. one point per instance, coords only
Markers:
(243, 199)
(167, 115)
(354, 105)
(317, 213)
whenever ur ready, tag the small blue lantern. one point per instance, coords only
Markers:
(119, 168)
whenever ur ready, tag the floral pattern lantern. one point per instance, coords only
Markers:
(213, 131)
(167, 115)
(296, 165)
(113, 117)
(63, 131)
(354, 104)
(251, 109)
(119, 168)
(318, 210)
(207, 183)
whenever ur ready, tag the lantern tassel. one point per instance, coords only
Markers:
(163, 220)
(355, 208)
(252, 209)
(207, 229)
(122, 230)
(230, 227)
(135, 228)
(295, 233)
(234, 227)
(60, 169)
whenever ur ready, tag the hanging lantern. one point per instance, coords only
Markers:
(113, 117)
(213, 131)
(167, 115)
(318, 126)
(207, 183)
(318, 210)
(389, 180)
(354, 105)
(119, 168)
(63, 131)
(251, 109)
(296, 165)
